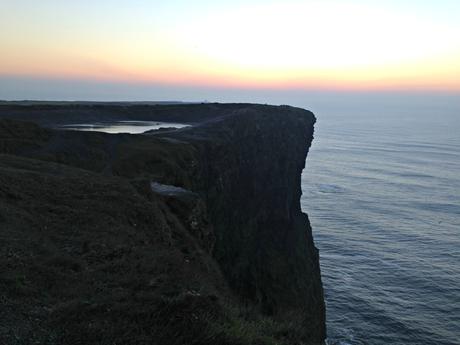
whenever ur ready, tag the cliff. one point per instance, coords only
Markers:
(190, 236)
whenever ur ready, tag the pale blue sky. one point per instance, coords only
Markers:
(206, 43)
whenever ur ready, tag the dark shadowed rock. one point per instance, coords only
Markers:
(190, 236)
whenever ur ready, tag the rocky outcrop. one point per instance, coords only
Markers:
(252, 188)
(206, 220)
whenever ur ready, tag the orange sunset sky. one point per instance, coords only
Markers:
(332, 45)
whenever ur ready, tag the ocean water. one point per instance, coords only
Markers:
(382, 191)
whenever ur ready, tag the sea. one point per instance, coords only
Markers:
(381, 187)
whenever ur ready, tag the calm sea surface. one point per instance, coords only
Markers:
(382, 192)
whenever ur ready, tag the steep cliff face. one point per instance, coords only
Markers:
(220, 204)
(264, 242)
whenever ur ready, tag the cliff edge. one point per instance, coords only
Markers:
(181, 236)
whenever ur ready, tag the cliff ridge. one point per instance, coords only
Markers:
(187, 236)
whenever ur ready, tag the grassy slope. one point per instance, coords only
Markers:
(90, 255)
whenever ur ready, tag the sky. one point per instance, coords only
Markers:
(59, 49)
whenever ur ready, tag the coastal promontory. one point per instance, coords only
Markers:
(175, 236)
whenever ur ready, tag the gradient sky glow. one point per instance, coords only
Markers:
(321, 45)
